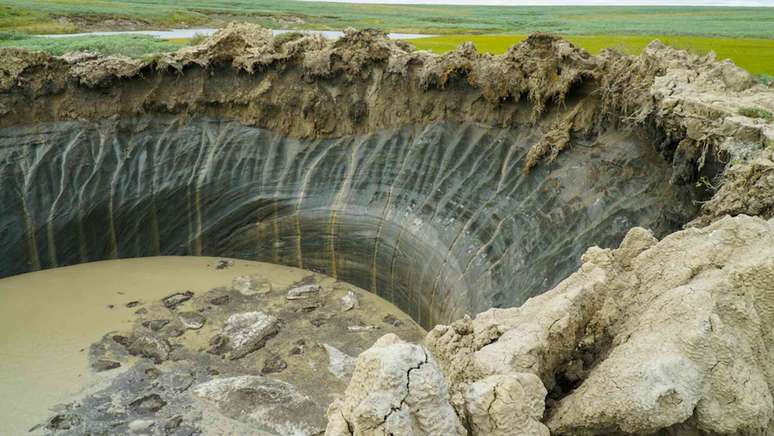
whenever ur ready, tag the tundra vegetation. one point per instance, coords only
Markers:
(744, 35)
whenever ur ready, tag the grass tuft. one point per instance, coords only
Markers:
(754, 112)
(197, 39)
(765, 79)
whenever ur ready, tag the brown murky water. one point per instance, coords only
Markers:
(49, 318)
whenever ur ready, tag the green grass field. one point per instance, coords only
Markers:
(53, 16)
(745, 35)
(126, 45)
(755, 55)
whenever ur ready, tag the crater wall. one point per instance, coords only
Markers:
(440, 218)
(448, 184)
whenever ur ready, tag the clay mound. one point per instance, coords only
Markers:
(669, 337)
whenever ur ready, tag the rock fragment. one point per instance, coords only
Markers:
(506, 405)
(298, 348)
(264, 401)
(100, 365)
(392, 320)
(340, 364)
(147, 404)
(273, 364)
(173, 423)
(63, 421)
(246, 332)
(155, 324)
(307, 305)
(251, 285)
(224, 263)
(139, 426)
(192, 320)
(220, 300)
(396, 388)
(304, 292)
(361, 328)
(174, 332)
(121, 340)
(176, 299)
(349, 301)
(150, 346)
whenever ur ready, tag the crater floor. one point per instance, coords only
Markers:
(61, 367)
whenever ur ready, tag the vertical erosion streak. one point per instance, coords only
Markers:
(505, 167)
(120, 161)
(504, 172)
(468, 145)
(426, 175)
(155, 156)
(189, 194)
(523, 200)
(276, 199)
(50, 221)
(31, 239)
(380, 225)
(488, 243)
(396, 247)
(302, 193)
(568, 239)
(342, 196)
(28, 173)
(445, 171)
(259, 223)
(97, 163)
(210, 146)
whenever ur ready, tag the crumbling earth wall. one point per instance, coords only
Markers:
(654, 337)
(306, 86)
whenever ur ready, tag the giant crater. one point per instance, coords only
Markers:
(420, 185)
(441, 219)
(539, 213)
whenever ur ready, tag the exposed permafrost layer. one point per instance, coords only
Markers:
(423, 215)
(670, 338)
(440, 219)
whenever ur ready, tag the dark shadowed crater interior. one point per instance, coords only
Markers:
(439, 219)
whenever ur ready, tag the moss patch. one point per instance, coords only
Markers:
(754, 112)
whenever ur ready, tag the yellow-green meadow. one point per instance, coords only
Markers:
(756, 55)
